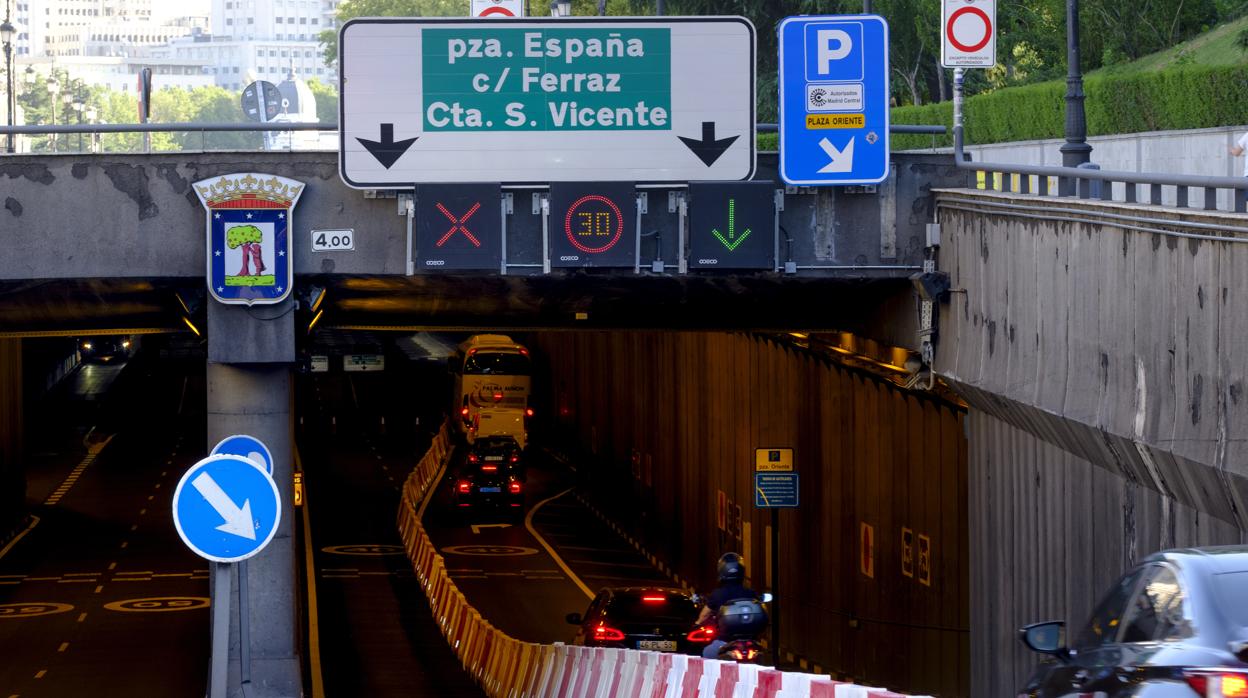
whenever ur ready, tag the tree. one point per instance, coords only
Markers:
(386, 8)
(326, 101)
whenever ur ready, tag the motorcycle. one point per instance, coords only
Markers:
(739, 625)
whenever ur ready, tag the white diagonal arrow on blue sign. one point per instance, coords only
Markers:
(842, 159)
(237, 519)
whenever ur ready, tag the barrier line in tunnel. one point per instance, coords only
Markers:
(528, 523)
(314, 629)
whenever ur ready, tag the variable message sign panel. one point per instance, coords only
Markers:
(732, 225)
(540, 100)
(459, 226)
(593, 224)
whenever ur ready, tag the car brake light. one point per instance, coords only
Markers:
(464, 412)
(705, 633)
(515, 459)
(498, 396)
(489, 468)
(1218, 684)
(464, 486)
(604, 633)
(528, 411)
(472, 458)
(514, 487)
(524, 351)
(654, 599)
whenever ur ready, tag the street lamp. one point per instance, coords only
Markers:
(560, 8)
(54, 88)
(1075, 151)
(7, 31)
(78, 104)
(91, 114)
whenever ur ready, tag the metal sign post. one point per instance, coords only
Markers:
(226, 508)
(775, 488)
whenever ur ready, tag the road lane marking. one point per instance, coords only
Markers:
(173, 574)
(314, 629)
(43, 579)
(159, 604)
(112, 565)
(125, 544)
(150, 497)
(82, 617)
(99, 589)
(528, 524)
(630, 565)
(42, 673)
(134, 527)
(162, 474)
(142, 512)
(137, 572)
(76, 581)
(30, 609)
(64, 646)
(374, 574)
(81, 574)
(34, 521)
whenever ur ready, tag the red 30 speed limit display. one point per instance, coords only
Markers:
(593, 224)
(968, 34)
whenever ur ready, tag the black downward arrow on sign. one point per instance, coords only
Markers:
(387, 150)
(708, 149)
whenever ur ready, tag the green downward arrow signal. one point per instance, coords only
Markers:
(732, 241)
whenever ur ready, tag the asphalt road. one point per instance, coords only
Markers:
(377, 634)
(100, 596)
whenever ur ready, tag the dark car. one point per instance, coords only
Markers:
(497, 454)
(489, 487)
(104, 349)
(1176, 626)
(641, 618)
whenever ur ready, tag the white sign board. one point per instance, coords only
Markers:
(497, 8)
(545, 100)
(363, 362)
(320, 363)
(968, 34)
(333, 240)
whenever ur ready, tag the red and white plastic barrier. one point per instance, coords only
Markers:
(509, 668)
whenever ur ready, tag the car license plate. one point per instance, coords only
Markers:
(490, 490)
(493, 458)
(657, 645)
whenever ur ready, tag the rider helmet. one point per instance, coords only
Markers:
(731, 568)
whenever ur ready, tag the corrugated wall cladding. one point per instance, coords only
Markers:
(671, 420)
(1049, 533)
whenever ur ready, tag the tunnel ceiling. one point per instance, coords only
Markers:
(568, 301)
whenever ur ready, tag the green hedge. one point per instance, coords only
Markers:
(1179, 98)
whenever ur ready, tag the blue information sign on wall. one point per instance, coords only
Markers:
(226, 508)
(834, 100)
(772, 490)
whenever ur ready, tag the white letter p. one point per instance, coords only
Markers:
(825, 39)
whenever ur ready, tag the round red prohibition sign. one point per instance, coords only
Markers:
(953, 18)
(496, 11)
(592, 224)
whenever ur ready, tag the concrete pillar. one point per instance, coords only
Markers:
(12, 472)
(250, 352)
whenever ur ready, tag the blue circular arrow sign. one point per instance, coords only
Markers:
(248, 447)
(226, 508)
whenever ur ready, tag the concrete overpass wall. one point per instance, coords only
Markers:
(1105, 370)
(670, 422)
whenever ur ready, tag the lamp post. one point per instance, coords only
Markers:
(7, 30)
(1075, 151)
(54, 88)
(91, 115)
(78, 105)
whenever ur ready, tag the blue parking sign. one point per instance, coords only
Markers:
(834, 100)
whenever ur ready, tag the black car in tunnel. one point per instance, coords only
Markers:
(497, 454)
(489, 487)
(641, 618)
(1176, 626)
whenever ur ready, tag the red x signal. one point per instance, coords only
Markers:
(458, 224)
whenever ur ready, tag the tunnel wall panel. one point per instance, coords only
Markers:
(1050, 531)
(668, 421)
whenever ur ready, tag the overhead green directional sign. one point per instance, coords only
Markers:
(732, 225)
(529, 100)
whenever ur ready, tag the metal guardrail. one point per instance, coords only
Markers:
(38, 129)
(1079, 181)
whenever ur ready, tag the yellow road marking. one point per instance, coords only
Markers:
(112, 565)
(528, 523)
(82, 617)
(34, 521)
(314, 629)
(99, 589)
(64, 646)
(41, 674)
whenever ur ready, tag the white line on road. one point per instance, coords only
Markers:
(528, 523)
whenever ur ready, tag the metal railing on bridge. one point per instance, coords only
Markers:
(1093, 183)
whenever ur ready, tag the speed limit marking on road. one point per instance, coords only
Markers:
(968, 34)
(333, 240)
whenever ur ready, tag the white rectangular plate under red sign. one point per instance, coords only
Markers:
(968, 34)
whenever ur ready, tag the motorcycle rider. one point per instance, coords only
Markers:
(731, 588)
